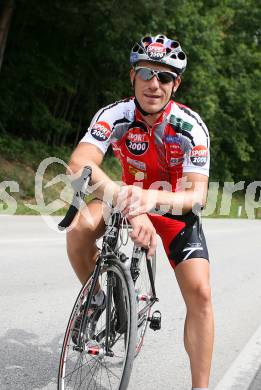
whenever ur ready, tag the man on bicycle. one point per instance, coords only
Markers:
(163, 147)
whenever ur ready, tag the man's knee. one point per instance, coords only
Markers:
(89, 222)
(86, 224)
(81, 239)
(199, 299)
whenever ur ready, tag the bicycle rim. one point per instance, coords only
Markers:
(91, 368)
(143, 293)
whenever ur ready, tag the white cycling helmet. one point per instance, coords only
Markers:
(159, 49)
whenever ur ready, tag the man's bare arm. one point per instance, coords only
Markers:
(192, 191)
(194, 187)
(88, 154)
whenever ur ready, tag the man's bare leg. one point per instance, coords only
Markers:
(193, 278)
(81, 240)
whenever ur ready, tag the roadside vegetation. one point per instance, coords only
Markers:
(19, 161)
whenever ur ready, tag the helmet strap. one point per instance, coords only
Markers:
(145, 113)
(137, 104)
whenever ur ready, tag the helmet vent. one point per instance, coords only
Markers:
(173, 56)
(147, 40)
(181, 55)
(140, 51)
(160, 40)
(174, 44)
(135, 48)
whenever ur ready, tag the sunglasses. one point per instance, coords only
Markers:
(164, 77)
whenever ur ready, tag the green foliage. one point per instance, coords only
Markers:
(30, 152)
(19, 161)
(222, 83)
(65, 60)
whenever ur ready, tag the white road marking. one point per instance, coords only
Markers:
(245, 366)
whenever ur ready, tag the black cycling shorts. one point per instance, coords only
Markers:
(182, 237)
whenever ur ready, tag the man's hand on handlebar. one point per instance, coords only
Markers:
(144, 233)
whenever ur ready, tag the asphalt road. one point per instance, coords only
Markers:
(38, 287)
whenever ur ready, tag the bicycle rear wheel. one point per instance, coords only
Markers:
(143, 292)
(90, 367)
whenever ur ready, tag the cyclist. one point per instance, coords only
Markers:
(163, 147)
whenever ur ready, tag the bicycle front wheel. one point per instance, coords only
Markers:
(143, 292)
(105, 358)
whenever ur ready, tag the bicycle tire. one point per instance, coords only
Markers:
(78, 369)
(142, 290)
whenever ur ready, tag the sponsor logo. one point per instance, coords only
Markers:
(137, 164)
(101, 131)
(174, 147)
(199, 155)
(176, 161)
(138, 174)
(176, 151)
(180, 124)
(156, 50)
(136, 137)
(171, 139)
(137, 143)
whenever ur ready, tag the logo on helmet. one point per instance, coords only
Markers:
(156, 51)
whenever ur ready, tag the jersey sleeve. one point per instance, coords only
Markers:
(103, 128)
(100, 130)
(197, 156)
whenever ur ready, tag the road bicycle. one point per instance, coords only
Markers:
(101, 354)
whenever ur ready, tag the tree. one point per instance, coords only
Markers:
(66, 59)
(5, 21)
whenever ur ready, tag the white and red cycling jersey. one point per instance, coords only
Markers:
(157, 156)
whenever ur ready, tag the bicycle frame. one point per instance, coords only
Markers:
(108, 252)
(117, 333)
(153, 299)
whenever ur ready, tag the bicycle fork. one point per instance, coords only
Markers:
(155, 319)
(92, 349)
(110, 286)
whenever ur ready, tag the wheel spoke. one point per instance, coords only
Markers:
(91, 368)
(143, 291)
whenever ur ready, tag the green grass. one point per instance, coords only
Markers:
(19, 162)
(226, 205)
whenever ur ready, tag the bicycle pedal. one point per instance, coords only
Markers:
(155, 320)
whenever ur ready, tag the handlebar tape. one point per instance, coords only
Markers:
(80, 186)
